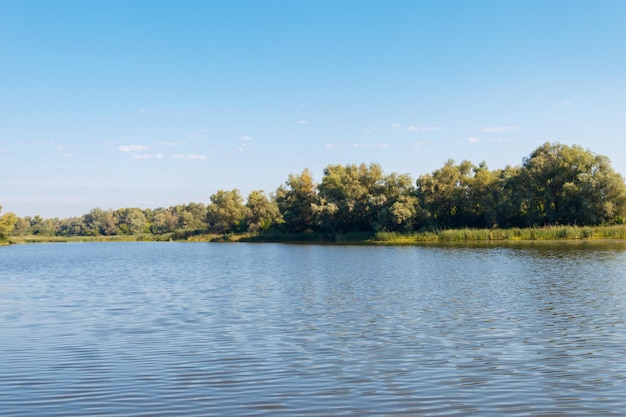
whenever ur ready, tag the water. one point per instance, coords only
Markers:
(192, 329)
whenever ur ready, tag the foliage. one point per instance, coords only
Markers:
(7, 221)
(226, 212)
(557, 192)
(295, 200)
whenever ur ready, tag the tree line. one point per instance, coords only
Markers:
(555, 185)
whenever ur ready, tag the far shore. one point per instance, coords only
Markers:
(548, 233)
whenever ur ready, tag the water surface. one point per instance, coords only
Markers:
(196, 329)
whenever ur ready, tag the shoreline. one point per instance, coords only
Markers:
(549, 234)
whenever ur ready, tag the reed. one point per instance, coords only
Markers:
(514, 234)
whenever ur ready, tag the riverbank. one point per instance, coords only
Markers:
(550, 233)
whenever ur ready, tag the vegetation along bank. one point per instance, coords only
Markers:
(558, 192)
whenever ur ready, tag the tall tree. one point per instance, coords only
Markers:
(131, 221)
(571, 185)
(7, 221)
(445, 193)
(295, 201)
(348, 197)
(261, 212)
(226, 212)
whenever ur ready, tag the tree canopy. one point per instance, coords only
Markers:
(556, 184)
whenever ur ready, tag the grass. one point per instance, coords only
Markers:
(549, 233)
(515, 234)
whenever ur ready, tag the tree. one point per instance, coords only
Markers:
(348, 197)
(511, 198)
(571, 185)
(295, 201)
(7, 221)
(398, 209)
(163, 221)
(192, 216)
(445, 193)
(131, 221)
(73, 226)
(261, 212)
(100, 222)
(226, 212)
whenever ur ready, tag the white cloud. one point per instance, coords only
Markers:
(415, 129)
(368, 131)
(149, 156)
(472, 139)
(396, 126)
(370, 145)
(563, 102)
(246, 138)
(333, 145)
(190, 157)
(499, 129)
(302, 122)
(132, 148)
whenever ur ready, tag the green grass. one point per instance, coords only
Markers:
(550, 233)
(515, 234)
(76, 239)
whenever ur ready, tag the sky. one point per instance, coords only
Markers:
(150, 104)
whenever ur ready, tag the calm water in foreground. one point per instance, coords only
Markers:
(197, 329)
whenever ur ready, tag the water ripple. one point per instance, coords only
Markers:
(235, 330)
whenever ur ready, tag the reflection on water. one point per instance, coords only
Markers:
(242, 329)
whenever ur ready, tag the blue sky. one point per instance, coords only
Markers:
(149, 104)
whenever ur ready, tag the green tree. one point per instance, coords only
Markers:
(511, 195)
(349, 197)
(295, 201)
(445, 193)
(261, 212)
(192, 216)
(131, 221)
(571, 185)
(22, 226)
(163, 221)
(398, 207)
(100, 222)
(483, 197)
(7, 221)
(73, 226)
(226, 212)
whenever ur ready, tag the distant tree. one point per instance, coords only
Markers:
(7, 221)
(100, 222)
(226, 212)
(398, 207)
(295, 201)
(571, 185)
(348, 197)
(43, 227)
(22, 226)
(192, 216)
(163, 220)
(131, 221)
(73, 226)
(511, 198)
(445, 193)
(261, 212)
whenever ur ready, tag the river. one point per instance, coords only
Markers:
(214, 329)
